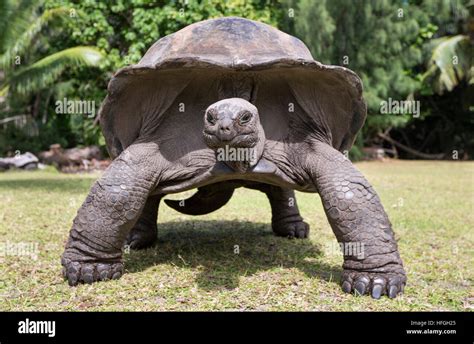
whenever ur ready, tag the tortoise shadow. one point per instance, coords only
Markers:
(222, 251)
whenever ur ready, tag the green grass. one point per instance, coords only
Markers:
(194, 266)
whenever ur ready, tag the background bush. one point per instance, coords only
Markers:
(390, 44)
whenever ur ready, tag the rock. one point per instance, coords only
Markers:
(73, 159)
(26, 161)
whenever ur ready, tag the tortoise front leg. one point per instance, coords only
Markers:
(360, 224)
(144, 232)
(94, 248)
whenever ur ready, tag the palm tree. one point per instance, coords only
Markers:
(20, 23)
(450, 63)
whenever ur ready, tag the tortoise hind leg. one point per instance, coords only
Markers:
(144, 232)
(286, 218)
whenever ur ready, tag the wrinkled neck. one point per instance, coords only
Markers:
(237, 85)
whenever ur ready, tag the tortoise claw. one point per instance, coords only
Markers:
(373, 283)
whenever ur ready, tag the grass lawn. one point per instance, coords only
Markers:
(195, 266)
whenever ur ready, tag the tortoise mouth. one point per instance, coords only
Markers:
(215, 141)
(239, 152)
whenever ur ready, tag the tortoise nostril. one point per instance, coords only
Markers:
(225, 133)
(224, 128)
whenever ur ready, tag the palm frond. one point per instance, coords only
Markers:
(5, 11)
(450, 63)
(3, 91)
(15, 18)
(23, 41)
(45, 71)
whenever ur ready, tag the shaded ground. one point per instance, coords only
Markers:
(230, 260)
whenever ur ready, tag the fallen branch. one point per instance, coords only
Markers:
(411, 150)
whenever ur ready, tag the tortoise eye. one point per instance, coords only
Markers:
(210, 118)
(245, 118)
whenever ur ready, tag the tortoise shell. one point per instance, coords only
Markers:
(232, 57)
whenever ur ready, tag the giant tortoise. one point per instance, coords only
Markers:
(221, 104)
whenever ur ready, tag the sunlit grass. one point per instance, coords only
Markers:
(230, 260)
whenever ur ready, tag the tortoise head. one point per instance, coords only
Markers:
(232, 129)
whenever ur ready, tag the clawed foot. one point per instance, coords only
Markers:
(373, 283)
(141, 237)
(86, 272)
(298, 229)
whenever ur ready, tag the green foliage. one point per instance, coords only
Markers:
(56, 131)
(14, 21)
(399, 48)
(450, 63)
(388, 44)
(373, 38)
(123, 30)
(45, 71)
(30, 65)
(126, 29)
(19, 35)
(24, 39)
(316, 27)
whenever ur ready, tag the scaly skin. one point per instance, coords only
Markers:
(94, 248)
(286, 218)
(357, 216)
(144, 232)
(223, 126)
(354, 211)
